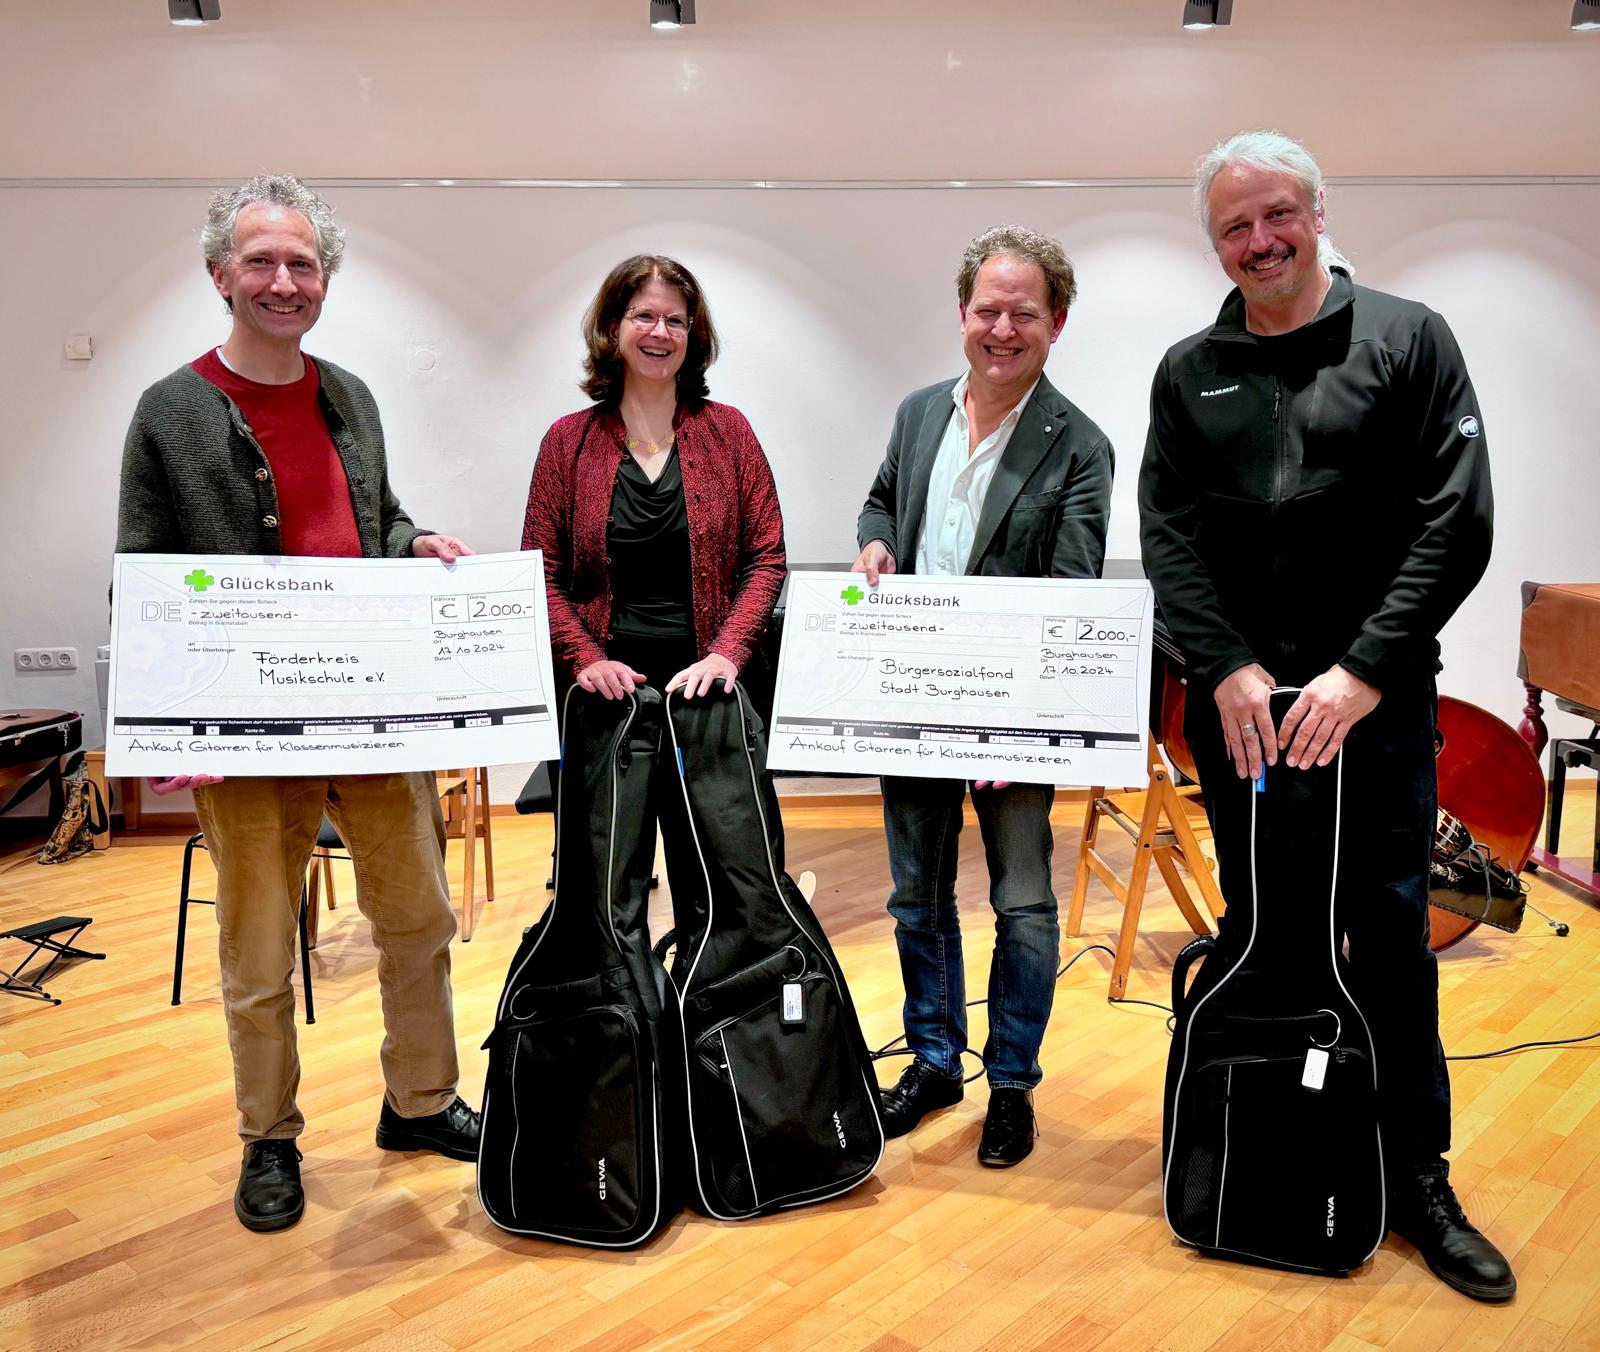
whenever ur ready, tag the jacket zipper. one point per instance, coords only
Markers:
(1277, 442)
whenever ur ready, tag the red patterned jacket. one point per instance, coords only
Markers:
(736, 558)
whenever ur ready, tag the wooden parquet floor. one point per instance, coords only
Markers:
(118, 1159)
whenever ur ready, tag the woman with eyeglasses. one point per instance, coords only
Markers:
(655, 507)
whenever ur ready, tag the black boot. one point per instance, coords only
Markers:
(1424, 1210)
(269, 1195)
(453, 1132)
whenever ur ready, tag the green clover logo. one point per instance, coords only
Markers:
(851, 594)
(199, 580)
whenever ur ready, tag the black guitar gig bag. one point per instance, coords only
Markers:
(1271, 1150)
(782, 1101)
(585, 1058)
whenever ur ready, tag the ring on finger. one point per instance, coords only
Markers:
(1248, 729)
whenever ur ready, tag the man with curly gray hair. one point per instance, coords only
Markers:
(994, 473)
(1315, 504)
(269, 190)
(256, 448)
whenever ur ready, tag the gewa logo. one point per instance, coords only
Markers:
(1330, 1218)
(199, 580)
(602, 1178)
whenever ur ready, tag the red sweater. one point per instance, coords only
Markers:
(316, 517)
(736, 559)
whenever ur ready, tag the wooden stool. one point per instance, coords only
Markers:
(1156, 820)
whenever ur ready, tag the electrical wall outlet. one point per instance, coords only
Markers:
(46, 659)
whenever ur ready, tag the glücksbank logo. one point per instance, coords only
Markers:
(852, 595)
(198, 580)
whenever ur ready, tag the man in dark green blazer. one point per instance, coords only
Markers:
(993, 474)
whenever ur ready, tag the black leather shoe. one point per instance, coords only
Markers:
(1008, 1128)
(1427, 1213)
(919, 1090)
(269, 1195)
(453, 1132)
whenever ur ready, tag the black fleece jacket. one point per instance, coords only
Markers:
(1317, 498)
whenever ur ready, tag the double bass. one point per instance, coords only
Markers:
(1491, 782)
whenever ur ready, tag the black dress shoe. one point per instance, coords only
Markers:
(269, 1195)
(1008, 1128)
(453, 1132)
(1427, 1213)
(919, 1090)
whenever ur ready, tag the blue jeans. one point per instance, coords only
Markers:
(922, 818)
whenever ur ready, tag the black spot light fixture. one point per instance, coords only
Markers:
(671, 13)
(193, 13)
(1202, 14)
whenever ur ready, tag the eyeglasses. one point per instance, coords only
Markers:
(646, 320)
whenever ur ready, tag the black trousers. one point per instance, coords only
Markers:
(1390, 800)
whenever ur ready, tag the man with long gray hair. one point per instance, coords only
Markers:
(1315, 505)
(993, 473)
(256, 448)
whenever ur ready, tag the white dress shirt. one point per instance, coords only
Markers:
(958, 486)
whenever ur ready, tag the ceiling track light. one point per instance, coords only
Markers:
(193, 13)
(1201, 14)
(671, 13)
(1585, 16)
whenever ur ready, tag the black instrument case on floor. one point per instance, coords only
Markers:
(582, 1082)
(782, 1100)
(740, 1080)
(1271, 1143)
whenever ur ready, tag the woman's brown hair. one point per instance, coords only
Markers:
(602, 367)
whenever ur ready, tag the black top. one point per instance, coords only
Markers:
(1317, 497)
(647, 539)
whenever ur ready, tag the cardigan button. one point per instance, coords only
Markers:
(269, 521)
(261, 476)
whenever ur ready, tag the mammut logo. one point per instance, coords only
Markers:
(1211, 394)
(838, 1130)
(1469, 426)
(1330, 1218)
(603, 1181)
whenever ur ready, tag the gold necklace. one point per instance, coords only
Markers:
(633, 444)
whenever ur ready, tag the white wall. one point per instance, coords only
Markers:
(765, 89)
(460, 308)
(460, 305)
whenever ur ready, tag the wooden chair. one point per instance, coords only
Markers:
(464, 795)
(1156, 820)
(319, 875)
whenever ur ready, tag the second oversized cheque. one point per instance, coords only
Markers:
(262, 666)
(1044, 680)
